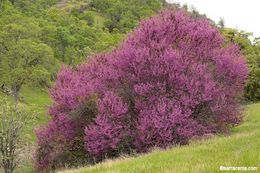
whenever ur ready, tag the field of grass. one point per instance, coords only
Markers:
(240, 148)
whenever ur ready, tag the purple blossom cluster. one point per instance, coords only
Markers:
(172, 79)
(53, 141)
(109, 128)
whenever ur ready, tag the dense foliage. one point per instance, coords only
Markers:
(251, 50)
(71, 31)
(24, 59)
(172, 79)
(124, 15)
(70, 38)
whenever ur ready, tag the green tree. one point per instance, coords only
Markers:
(251, 50)
(24, 60)
(124, 15)
(252, 90)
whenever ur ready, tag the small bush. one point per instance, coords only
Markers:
(172, 79)
(13, 119)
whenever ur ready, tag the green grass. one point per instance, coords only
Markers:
(241, 148)
(37, 100)
(98, 19)
(68, 5)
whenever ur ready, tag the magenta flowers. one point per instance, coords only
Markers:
(173, 78)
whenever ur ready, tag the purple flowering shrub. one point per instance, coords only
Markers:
(172, 79)
(110, 128)
(53, 141)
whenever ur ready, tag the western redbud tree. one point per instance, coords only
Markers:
(173, 78)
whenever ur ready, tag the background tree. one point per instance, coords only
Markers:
(251, 50)
(23, 59)
(12, 122)
(221, 23)
(123, 15)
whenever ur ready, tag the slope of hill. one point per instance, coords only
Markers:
(241, 148)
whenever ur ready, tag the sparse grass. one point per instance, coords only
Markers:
(241, 148)
(38, 100)
(68, 5)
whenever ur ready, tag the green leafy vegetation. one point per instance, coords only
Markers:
(124, 15)
(73, 29)
(251, 50)
(70, 38)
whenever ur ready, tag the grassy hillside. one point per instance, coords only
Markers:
(38, 100)
(241, 148)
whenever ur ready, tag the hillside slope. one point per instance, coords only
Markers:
(241, 148)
